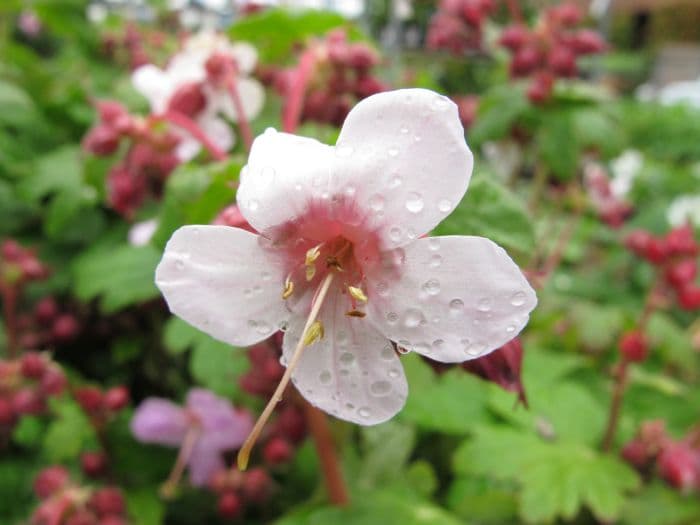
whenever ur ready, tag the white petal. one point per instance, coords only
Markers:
(218, 130)
(284, 174)
(404, 153)
(252, 97)
(154, 84)
(223, 281)
(353, 372)
(187, 148)
(450, 298)
(246, 56)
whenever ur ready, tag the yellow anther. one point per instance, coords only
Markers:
(357, 294)
(310, 272)
(288, 288)
(313, 334)
(312, 255)
(355, 313)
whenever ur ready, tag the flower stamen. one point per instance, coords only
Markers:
(357, 294)
(169, 488)
(288, 288)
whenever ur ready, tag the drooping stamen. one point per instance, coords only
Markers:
(243, 124)
(288, 288)
(357, 294)
(189, 125)
(168, 489)
(244, 453)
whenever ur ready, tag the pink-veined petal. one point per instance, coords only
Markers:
(252, 97)
(353, 372)
(246, 56)
(285, 173)
(218, 130)
(203, 463)
(160, 421)
(154, 84)
(223, 281)
(450, 298)
(403, 152)
(223, 427)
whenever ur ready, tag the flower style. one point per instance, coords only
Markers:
(192, 84)
(204, 428)
(341, 263)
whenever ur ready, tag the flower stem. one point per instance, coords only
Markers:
(295, 100)
(318, 425)
(189, 125)
(244, 453)
(243, 124)
(515, 11)
(170, 486)
(9, 307)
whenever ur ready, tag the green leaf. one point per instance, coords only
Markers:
(499, 109)
(490, 210)
(483, 501)
(658, 504)
(421, 476)
(28, 432)
(120, 276)
(451, 403)
(68, 433)
(145, 506)
(53, 172)
(16, 107)
(556, 144)
(217, 365)
(276, 31)
(387, 448)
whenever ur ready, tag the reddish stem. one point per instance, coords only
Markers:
(9, 307)
(243, 124)
(515, 11)
(193, 129)
(295, 100)
(318, 425)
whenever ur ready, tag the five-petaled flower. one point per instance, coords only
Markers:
(193, 84)
(341, 263)
(204, 428)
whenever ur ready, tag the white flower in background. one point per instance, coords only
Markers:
(683, 209)
(504, 156)
(341, 252)
(186, 85)
(625, 169)
(681, 93)
(141, 233)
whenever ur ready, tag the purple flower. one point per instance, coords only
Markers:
(206, 426)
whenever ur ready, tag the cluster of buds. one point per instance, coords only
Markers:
(64, 502)
(129, 46)
(612, 209)
(457, 25)
(468, 107)
(236, 489)
(149, 160)
(46, 326)
(19, 265)
(677, 462)
(101, 405)
(289, 429)
(334, 75)
(550, 50)
(674, 255)
(25, 385)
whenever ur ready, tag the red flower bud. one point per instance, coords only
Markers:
(681, 273)
(7, 413)
(229, 505)
(525, 61)
(679, 465)
(45, 310)
(53, 382)
(93, 463)
(107, 500)
(656, 251)
(50, 480)
(32, 365)
(635, 453)
(116, 398)
(101, 140)
(634, 346)
(90, 398)
(638, 241)
(562, 62)
(65, 328)
(81, 517)
(588, 42)
(540, 89)
(277, 451)
(188, 100)
(256, 485)
(689, 297)
(28, 401)
(681, 241)
(514, 37)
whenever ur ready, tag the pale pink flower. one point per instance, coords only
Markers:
(186, 77)
(351, 217)
(208, 425)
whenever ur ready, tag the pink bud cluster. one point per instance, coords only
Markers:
(47, 325)
(674, 256)
(19, 265)
(550, 50)
(235, 489)
(25, 385)
(457, 25)
(101, 405)
(653, 451)
(130, 46)
(467, 106)
(342, 76)
(65, 502)
(611, 209)
(149, 159)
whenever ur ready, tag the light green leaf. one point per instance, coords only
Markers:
(68, 433)
(499, 109)
(387, 448)
(217, 365)
(53, 172)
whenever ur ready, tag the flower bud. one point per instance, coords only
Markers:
(588, 42)
(277, 451)
(525, 61)
(188, 100)
(50, 480)
(116, 398)
(681, 241)
(562, 62)
(53, 382)
(679, 465)
(229, 505)
(689, 297)
(256, 485)
(681, 273)
(93, 464)
(514, 37)
(27, 401)
(65, 328)
(32, 365)
(45, 310)
(540, 89)
(107, 500)
(7, 413)
(89, 398)
(634, 346)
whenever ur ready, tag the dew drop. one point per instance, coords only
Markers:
(347, 358)
(393, 373)
(484, 305)
(263, 328)
(403, 130)
(440, 103)
(434, 244)
(247, 293)
(376, 202)
(393, 152)
(422, 348)
(387, 353)
(325, 377)
(341, 337)
(253, 205)
(435, 261)
(364, 412)
(395, 234)
(475, 348)
(510, 328)
(382, 288)
(412, 317)
(518, 299)
(283, 326)
(414, 203)
(344, 151)
(438, 344)
(257, 289)
(380, 388)
(394, 181)
(265, 276)
(350, 191)
(456, 305)
(432, 287)
(349, 406)
(179, 264)
(444, 205)
(392, 317)
(403, 346)
(344, 372)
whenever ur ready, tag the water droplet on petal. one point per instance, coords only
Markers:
(474, 349)
(394, 181)
(510, 328)
(444, 206)
(422, 348)
(456, 306)
(433, 243)
(518, 299)
(484, 305)
(412, 317)
(392, 317)
(247, 293)
(403, 346)
(347, 358)
(382, 288)
(393, 373)
(432, 287)
(180, 264)
(344, 151)
(253, 205)
(364, 412)
(393, 152)
(263, 328)
(283, 326)
(403, 130)
(387, 353)
(376, 202)
(435, 261)
(395, 234)
(265, 276)
(380, 388)
(438, 344)
(325, 377)
(440, 103)
(414, 203)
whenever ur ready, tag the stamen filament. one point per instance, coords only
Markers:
(168, 488)
(244, 453)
